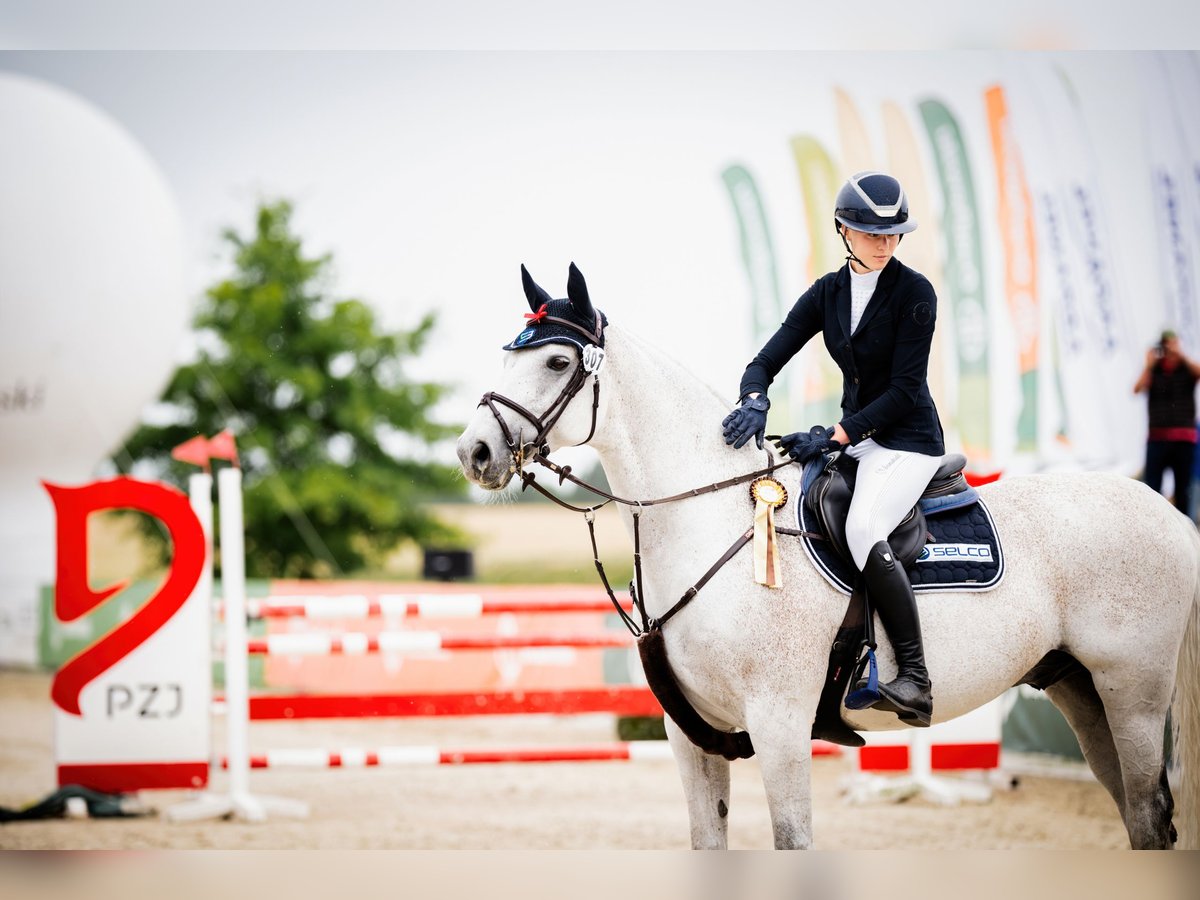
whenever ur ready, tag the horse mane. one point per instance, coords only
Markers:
(670, 362)
(665, 401)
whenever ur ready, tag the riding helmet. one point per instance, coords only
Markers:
(874, 203)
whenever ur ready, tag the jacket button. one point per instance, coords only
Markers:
(856, 381)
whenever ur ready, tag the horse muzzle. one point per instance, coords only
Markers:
(484, 464)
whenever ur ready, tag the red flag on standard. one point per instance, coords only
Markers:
(223, 446)
(975, 479)
(195, 451)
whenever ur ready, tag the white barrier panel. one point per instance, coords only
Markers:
(131, 711)
(972, 741)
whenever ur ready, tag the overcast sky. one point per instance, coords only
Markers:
(616, 24)
(431, 165)
(431, 176)
(433, 148)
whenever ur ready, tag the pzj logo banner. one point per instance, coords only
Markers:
(966, 552)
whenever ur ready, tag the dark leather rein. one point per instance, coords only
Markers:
(540, 455)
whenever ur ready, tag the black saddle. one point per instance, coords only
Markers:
(829, 487)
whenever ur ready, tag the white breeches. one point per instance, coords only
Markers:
(888, 485)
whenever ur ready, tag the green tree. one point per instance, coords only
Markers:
(335, 440)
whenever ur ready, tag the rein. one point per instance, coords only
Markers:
(589, 513)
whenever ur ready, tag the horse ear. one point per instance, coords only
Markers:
(577, 293)
(534, 294)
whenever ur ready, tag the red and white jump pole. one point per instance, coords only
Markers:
(357, 758)
(416, 643)
(427, 606)
(619, 700)
(239, 803)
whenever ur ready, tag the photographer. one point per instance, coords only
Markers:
(1170, 380)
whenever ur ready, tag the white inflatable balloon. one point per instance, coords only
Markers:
(92, 310)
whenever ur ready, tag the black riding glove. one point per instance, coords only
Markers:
(805, 446)
(747, 421)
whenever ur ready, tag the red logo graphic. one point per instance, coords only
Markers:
(74, 598)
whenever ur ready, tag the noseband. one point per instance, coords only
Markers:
(545, 421)
(591, 360)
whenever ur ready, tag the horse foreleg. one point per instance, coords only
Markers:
(706, 786)
(783, 742)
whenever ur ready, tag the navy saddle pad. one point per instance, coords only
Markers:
(964, 554)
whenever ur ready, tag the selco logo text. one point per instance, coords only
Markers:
(965, 552)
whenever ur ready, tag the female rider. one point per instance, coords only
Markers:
(877, 318)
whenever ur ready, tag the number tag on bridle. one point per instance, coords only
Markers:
(593, 359)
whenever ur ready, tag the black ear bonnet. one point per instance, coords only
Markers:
(570, 321)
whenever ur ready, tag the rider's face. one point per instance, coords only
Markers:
(875, 250)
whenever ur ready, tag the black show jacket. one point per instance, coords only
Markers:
(885, 394)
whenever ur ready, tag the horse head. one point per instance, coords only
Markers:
(551, 361)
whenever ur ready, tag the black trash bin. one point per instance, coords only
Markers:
(448, 565)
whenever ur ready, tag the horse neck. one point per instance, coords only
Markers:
(661, 432)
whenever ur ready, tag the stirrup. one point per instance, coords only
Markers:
(865, 694)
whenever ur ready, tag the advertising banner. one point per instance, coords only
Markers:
(964, 277)
(1173, 191)
(1015, 220)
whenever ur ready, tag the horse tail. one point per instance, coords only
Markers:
(1185, 718)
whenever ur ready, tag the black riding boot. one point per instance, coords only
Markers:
(891, 595)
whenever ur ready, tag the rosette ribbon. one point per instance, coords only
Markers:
(768, 495)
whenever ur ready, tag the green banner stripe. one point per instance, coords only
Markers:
(758, 250)
(819, 183)
(758, 258)
(964, 272)
(1027, 424)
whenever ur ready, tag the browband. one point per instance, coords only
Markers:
(594, 337)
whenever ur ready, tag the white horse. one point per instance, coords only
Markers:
(1097, 565)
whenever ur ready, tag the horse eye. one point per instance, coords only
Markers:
(558, 363)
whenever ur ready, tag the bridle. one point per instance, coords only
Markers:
(590, 363)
